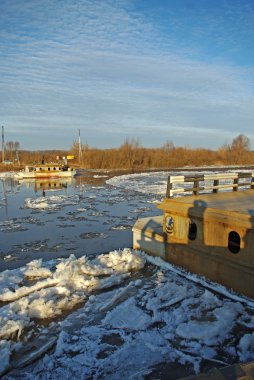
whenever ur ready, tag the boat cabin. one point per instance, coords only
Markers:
(209, 232)
(45, 168)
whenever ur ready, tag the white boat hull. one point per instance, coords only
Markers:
(45, 171)
(34, 175)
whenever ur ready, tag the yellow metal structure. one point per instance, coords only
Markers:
(208, 234)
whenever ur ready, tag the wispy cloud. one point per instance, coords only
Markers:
(104, 66)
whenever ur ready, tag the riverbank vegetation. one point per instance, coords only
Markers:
(132, 155)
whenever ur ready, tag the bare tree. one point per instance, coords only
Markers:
(239, 150)
(16, 145)
(9, 146)
(129, 151)
(240, 143)
(168, 146)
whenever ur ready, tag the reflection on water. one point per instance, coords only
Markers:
(55, 218)
(43, 185)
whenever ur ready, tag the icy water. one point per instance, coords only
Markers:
(77, 302)
(51, 219)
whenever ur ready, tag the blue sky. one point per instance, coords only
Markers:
(154, 70)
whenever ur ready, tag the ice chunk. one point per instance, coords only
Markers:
(5, 352)
(246, 347)
(128, 316)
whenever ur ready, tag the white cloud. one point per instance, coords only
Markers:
(96, 66)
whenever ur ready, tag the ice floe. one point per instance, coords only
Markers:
(51, 202)
(120, 322)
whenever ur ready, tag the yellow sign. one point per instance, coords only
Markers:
(70, 157)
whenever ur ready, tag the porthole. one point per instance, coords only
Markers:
(192, 230)
(234, 242)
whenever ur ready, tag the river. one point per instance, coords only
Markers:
(55, 218)
(77, 302)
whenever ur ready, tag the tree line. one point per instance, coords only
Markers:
(132, 155)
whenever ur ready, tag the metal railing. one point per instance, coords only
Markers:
(208, 183)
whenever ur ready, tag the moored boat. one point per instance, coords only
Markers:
(44, 170)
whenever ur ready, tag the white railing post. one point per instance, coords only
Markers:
(212, 183)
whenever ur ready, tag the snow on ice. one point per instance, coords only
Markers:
(126, 323)
(52, 202)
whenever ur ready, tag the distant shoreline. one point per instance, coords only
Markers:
(11, 168)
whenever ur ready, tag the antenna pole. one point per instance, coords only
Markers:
(2, 143)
